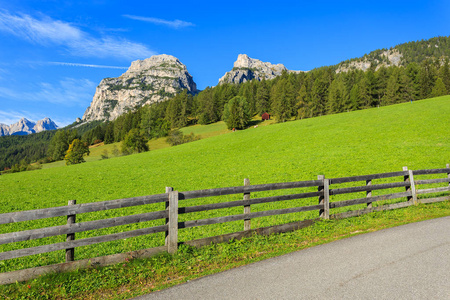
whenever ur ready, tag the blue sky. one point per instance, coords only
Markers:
(53, 54)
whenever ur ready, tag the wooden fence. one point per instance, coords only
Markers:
(411, 196)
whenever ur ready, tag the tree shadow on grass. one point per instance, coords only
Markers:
(253, 123)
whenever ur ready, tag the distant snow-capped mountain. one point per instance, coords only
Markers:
(24, 127)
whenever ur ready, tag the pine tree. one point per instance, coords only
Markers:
(364, 93)
(336, 100)
(303, 110)
(134, 141)
(319, 95)
(439, 88)
(262, 98)
(392, 89)
(412, 72)
(427, 78)
(382, 77)
(206, 110)
(236, 113)
(444, 74)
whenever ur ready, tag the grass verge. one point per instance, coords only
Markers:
(141, 276)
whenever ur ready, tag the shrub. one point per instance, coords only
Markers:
(176, 137)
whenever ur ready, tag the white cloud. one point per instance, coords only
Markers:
(174, 24)
(68, 92)
(49, 32)
(85, 65)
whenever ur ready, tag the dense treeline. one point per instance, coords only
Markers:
(23, 149)
(289, 96)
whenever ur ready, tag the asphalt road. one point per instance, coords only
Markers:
(406, 262)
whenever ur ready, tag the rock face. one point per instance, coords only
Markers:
(45, 124)
(154, 79)
(4, 129)
(246, 68)
(387, 58)
(24, 127)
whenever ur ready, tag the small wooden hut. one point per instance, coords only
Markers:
(265, 116)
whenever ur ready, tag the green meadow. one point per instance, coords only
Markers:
(361, 142)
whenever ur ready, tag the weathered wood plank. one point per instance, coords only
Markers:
(266, 213)
(448, 173)
(431, 171)
(412, 187)
(433, 200)
(326, 199)
(247, 210)
(246, 189)
(71, 219)
(369, 199)
(32, 273)
(172, 239)
(212, 206)
(247, 233)
(321, 190)
(33, 234)
(355, 213)
(431, 181)
(406, 179)
(51, 212)
(434, 190)
(365, 177)
(166, 234)
(366, 188)
(369, 193)
(81, 242)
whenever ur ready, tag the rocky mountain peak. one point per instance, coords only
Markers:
(147, 81)
(244, 61)
(45, 124)
(247, 68)
(160, 62)
(25, 126)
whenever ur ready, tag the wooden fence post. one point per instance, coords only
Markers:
(172, 244)
(247, 222)
(369, 193)
(448, 174)
(407, 188)
(413, 186)
(325, 199)
(166, 233)
(71, 219)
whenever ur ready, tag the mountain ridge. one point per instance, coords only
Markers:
(399, 55)
(25, 127)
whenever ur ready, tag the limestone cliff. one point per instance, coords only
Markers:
(154, 79)
(246, 68)
(378, 58)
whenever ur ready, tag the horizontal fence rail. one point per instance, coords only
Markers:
(51, 212)
(326, 191)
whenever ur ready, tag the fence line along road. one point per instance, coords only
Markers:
(325, 190)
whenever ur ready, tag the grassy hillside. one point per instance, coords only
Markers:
(361, 142)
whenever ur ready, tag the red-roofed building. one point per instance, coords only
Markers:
(265, 116)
